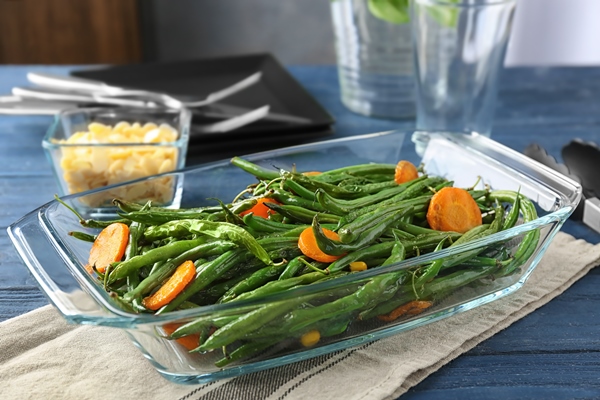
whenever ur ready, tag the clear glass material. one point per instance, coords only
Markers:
(94, 163)
(374, 60)
(57, 260)
(459, 49)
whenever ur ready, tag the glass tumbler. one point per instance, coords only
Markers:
(374, 59)
(459, 48)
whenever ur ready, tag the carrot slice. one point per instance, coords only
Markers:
(411, 308)
(405, 171)
(183, 275)
(259, 209)
(311, 173)
(308, 245)
(190, 342)
(109, 246)
(453, 209)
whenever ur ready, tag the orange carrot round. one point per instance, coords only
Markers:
(108, 247)
(183, 275)
(453, 209)
(411, 308)
(311, 173)
(190, 342)
(405, 171)
(308, 245)
(259, 209)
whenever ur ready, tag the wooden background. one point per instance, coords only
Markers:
(70, 32)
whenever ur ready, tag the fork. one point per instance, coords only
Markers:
(103, 91)
(40, 102)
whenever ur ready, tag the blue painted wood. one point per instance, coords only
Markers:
(554, 353)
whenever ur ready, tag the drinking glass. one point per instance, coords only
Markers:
(374, 58)
(459, 48)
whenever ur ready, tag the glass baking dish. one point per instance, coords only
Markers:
(57, 260)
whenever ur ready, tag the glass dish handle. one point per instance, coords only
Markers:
(54, 278)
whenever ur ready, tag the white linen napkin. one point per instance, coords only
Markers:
(42, 357)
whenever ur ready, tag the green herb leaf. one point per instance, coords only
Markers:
(394, 11)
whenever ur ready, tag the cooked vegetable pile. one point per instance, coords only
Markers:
(290, 230)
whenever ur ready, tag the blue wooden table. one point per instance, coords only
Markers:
(554, 353)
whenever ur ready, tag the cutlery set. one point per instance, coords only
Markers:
(50, 94)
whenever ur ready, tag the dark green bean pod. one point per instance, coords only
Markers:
(246, 350)
(301, 214)
(121, 270)
(351, 231)
(368, 236)
(217, 230)
(343, 207)
(86, 237)
(417, 191)
(374, 291)
(175, 259)
(361, 170)
(438, 287)
(160, 217)
(261, 224)
(255, 280)
(287, 198)
(212, 293)
(255, 169)
(371, 188)
(298, 189)
(313, 185)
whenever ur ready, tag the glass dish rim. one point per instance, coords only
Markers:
(182, 139)
(125, 319)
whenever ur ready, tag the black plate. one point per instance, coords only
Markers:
(277, 88)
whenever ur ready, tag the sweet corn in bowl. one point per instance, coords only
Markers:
(93, 148)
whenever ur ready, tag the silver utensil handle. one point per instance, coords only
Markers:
(45, 95)
(67, 83)
(38, 94)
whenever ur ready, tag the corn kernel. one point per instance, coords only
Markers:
(310, 338)
(358, 266)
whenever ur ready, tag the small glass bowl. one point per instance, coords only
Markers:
(92, 148)
(57, 260)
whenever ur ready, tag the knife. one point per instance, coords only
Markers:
(588, 210)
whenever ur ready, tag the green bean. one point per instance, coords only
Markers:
(165, 252)
(361, 170)
(261, 224)
(245, 350)
(298, 189)
(280, 286)
(301, 214)
(313, 185)
(288, 199)
(432, 270)
(342, 207)
(445, 284)
(199, 324)
(254, 169)
(86, 237)
(374, 291)
(217, 230)
(348, 232)
(254, 281)
(212, 293)
(371, 188)
(168, 267)
(513, 214)
(248, 323)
